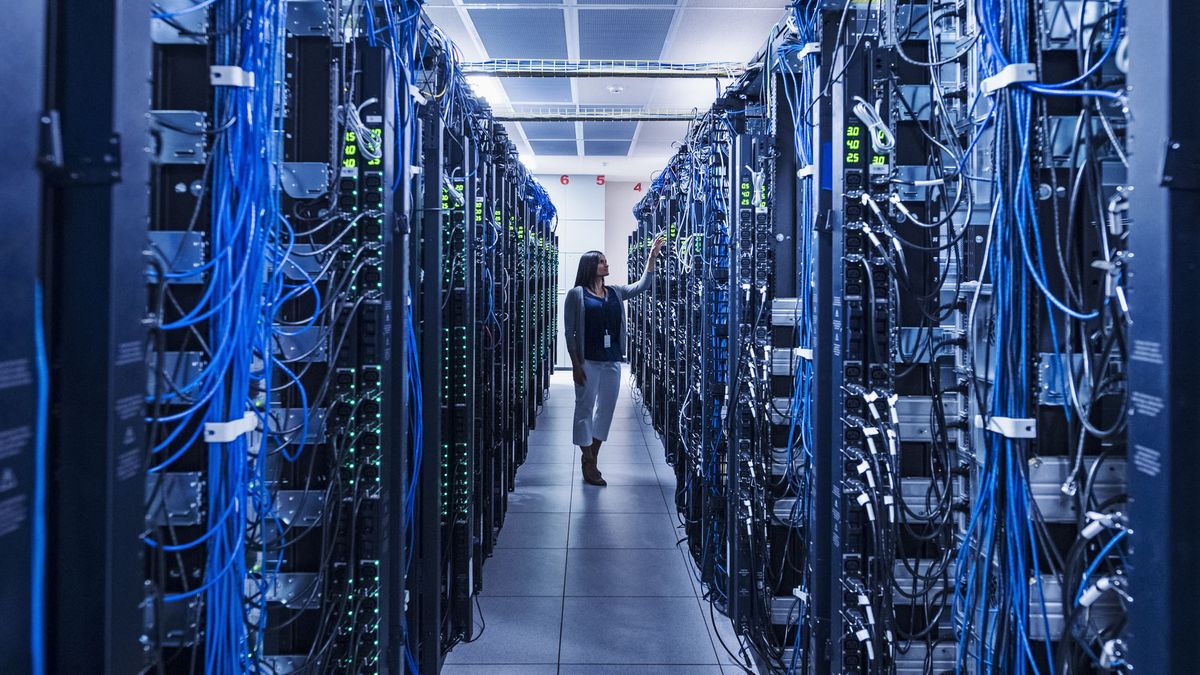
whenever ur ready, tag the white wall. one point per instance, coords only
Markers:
(580, 205)
(590, 216)
(619, 200)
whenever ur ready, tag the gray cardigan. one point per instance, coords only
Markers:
(573, 311)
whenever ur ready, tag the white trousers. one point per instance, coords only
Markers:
(595, 401)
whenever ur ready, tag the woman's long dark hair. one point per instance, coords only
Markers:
(588, 265)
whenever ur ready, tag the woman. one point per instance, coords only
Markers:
(594, 318)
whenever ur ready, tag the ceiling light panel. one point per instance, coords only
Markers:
(537, 89)
(606, 148)
(549, 131)
(554, 148)
(609, 131)
(623, 33)
(521, 33)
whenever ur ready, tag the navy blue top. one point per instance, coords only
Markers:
(600, 315)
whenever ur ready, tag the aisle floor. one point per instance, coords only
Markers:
(588, 580)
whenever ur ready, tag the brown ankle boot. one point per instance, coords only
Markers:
(591, 475)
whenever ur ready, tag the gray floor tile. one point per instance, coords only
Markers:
(534, 530)
(495, 669)
(622, 530)
(618, 499)
(540, 499)
(519, 630)
(552, 453)
(639, 670)
(619, 473)
(544, 474)
(525, 572)
(635, 572)
(631, 630)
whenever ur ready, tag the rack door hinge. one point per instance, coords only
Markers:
(1181, 166)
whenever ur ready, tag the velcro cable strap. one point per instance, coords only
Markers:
(1009, 427)
(1011, 74)
(227, 432)
(230, 76)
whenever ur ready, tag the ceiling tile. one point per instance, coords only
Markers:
(553, 147)
(555, 131)
(630, 90)
(537, 89)
(609, 131)
(623, 33)
(521, 33)
(731, 34)
(613, 148)
(663, 130)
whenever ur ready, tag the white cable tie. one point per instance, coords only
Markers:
(863, 467)
(230, 76)
(806, 171)
(227, 432)
(1009, 427)
(1011, 74)
(417, 94)
(810, 48)
(862, 634)
(895, 200)
(797, 592)
(887, 499)
(870, 431)
(866, 199)
(863, 600)
(863, 499)
(1097, 523)
(805, 353)
(1093, 593)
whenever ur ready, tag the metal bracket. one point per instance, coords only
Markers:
(1009, 427)
(1013, 73)
(1181, 166)
(61, 167)
(307, 17)
(230, 76)
(227, 432)
(304, 180)
(179, 136)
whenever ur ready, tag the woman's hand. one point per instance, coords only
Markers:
(579, 375)
(656, 248)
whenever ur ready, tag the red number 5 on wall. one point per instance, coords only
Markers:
(599, 180)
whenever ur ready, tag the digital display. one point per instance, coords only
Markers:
(747, 193)
(854, 133)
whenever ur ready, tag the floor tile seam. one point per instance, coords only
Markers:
(562, 612)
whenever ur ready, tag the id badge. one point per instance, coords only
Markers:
(607, 341)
